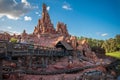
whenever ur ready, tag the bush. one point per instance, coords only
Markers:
(13, 40)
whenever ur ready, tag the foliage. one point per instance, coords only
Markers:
(13, 40)
(110, 45)
(117, 38)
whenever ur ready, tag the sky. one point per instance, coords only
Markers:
(99, 19)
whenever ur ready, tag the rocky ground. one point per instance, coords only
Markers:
(97, 73)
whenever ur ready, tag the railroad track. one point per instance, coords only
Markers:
(67, 71)
(39, 54)
(55, 72)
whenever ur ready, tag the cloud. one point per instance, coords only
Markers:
(36, 12)
(10, 32)
(13, 10)
(66, 6)
(9, 27)
(16, 32)
(104, 34)
(27, 18)
(25, 2)
(48, 8)
(39, 15)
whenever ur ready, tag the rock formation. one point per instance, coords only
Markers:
(85, 49)
(45, 33)
(62, 29)
(5, 36)
(73, 40)
(24, 34)
(44, 24)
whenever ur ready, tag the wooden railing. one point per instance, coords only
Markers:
(22, 49)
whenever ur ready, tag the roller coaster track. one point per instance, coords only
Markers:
(114, 65)
(55, 72)
(61, 71)
(40, 53)
(67, 71)
(19, 49)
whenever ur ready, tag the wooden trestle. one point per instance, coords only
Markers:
(28, 55)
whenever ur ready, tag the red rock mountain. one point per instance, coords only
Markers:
(45, 26)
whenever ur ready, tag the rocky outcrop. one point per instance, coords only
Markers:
(45, 34)
(24, 33)
(85, 49)
(44, 24)
(5, 36)
(62, 29)
(73, 40)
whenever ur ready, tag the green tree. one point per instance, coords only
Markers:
(13, 40)
(109, 45)
(105, 46)
(117, 38)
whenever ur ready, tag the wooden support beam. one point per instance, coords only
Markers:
(1, 69)
(30, 61)
(46, 61)
(43, 61)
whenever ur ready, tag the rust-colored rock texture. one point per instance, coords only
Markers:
(44, 24)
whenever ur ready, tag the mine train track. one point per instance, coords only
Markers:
(114, 65)
(20, 49)
(40, 53)
(67, 71)
(61, 71)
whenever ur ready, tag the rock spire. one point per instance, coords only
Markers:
(44, 24)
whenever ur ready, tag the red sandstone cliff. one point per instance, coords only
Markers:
(45, 26)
